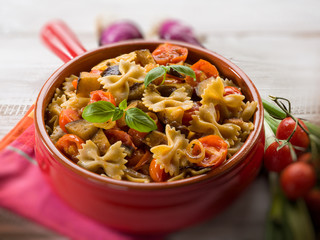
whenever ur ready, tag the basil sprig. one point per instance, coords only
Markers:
(102, 111)
(163, 70)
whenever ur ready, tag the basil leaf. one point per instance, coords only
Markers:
(98, 112)
(139, 120)
(184, 70)
(123, 104)
(153, 74)
(118, 113)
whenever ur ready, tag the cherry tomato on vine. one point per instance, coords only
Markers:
(156, 173)
(276, 160)
(299, 138)
(297, 179)
(69, 145)
(66, 116)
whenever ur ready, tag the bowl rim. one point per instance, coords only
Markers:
(232, 163)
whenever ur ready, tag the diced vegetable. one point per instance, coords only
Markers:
(175, 30)
(87, 83)
(144, 57)
(166, 89)
(136, 91)
(66, 116)
(112, 70)
(119, 31)
(155, 138)
(101, 141)
(81, 128)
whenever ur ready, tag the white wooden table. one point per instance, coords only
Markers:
(277, 43)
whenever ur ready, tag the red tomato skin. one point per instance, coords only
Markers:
(276, 160)
(156, 173)
(228, 90)
(69, 145)
(66, 116)
(100, 95)
(169, 53)
(187, 115)
(299, 138)
(297, 180)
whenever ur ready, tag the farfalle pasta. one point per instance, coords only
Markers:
(116, 122)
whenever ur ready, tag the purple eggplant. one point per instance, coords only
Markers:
(175, 30)
(119, 31)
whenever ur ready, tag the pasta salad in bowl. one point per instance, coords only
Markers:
(144, 130)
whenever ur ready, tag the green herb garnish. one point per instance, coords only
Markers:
(102, 111)
(163, 70)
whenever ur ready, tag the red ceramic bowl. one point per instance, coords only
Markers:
(153, 207)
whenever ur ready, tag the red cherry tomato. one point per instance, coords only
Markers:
(305, 157)
(75, 83)
(100, 95)
(156, 173)
(297, 179)
(169, 53)
(66, 116)
(187, 116)
(228, 90)
(276, 160)
(216, 150)
(203, 70)
(69, 145)
(299, 138)
(115, 135)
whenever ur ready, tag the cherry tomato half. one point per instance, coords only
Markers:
(216, 150)
(203, 70)
(156, 173)
(187, 115)
(276, 160)
(115, 135)
(69, 145)
(228, 90)
(66, 116)
(297, 179)
(100, 95)
(169, 53)
(299, 138)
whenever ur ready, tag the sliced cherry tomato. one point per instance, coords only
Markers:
(136, 136)
(147, 156)
(100, 95)
(169, 53)
(75, 83)
(66, 116)
(156, 173)
(228, 90)
(299, 138)
(203, 70)
(187, 116)
(276, 160)
(215, 151)
(114, 135)
(96, 71)
(69, 145)
(297, 179)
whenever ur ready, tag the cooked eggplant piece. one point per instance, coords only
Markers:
(155, 138)
(87, 83)
(81, 128)
(144, 57)
(166, 89)
(128, 150)
(101, 141)
(112, 70)
(136, 91)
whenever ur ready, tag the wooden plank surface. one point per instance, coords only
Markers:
(277, 43)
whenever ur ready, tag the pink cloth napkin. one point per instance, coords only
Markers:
(24, 191)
